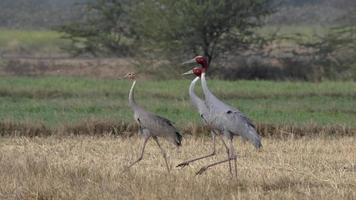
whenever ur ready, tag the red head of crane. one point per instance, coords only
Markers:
(201, 60)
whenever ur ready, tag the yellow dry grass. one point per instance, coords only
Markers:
(84, 167)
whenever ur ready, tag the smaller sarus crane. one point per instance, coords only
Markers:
(151, 125)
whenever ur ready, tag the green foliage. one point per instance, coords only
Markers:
(104, 29)
(191, 27)
(194, 27)
(331, 54)
(302, 53)
(336, 53)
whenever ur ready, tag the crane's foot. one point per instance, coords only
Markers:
(201, 171)
(183, 164)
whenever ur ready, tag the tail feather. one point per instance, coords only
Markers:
(178, 139)
(258, 143)
(254, 138)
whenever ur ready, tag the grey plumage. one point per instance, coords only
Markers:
(228, 119)
(154, 125)
(223, 118)
(220, 117)
(200, 105)
(151, 125)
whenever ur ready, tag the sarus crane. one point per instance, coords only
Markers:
(202, 108)
(227, 119)
(151, 125)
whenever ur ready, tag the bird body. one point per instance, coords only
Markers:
(152, 125)
(203, 110)
(228, 119)
(221, 117)
(158, 126)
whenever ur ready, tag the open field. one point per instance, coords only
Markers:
(57, 101)
(92, 168)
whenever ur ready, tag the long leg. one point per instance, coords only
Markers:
(163, 152)
(230, 157)
(203, 169)
(141, 156)
(233, 154)
(185, 163)
(227, 152)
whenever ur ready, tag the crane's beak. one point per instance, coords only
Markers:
(130, 76)
(188, 72)
(189, 62)
(124, 77)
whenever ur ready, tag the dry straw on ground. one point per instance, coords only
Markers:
(103, 127)
(84, 167)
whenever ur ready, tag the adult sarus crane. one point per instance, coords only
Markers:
(228, 120)
(151, 125)
(203, 110)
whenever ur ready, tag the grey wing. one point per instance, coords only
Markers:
(163, 121)
(152, 121)
(238, 123)
(242, 116)
(230, 119)
(161, 126)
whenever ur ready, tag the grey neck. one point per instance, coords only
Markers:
(132, 101)
(205, 86)
(193, 97)
(209, 97)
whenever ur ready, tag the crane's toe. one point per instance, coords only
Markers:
(183, 164)
(201, 171)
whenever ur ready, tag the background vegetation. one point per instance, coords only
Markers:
(241, 46)
(318, 49)
(66, 131)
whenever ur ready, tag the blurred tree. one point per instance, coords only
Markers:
(333, 53)
(205, 27)
(208, 27)
(105, 29)
(37, 13)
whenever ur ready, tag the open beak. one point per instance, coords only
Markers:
(188, 72)
(189, 62)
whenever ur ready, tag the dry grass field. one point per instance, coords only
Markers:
(85, 167)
